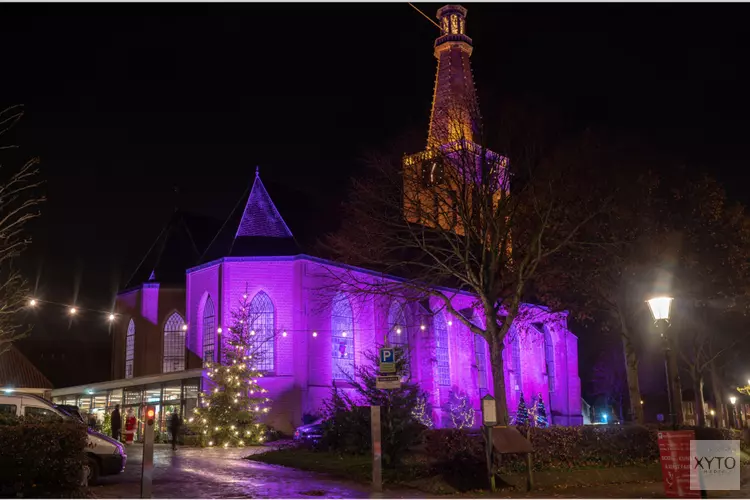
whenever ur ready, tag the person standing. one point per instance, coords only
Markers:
(174, 427)
(116, 423)
(130, 423)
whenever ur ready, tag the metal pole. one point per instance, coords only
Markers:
(667, 371)
(148, 456)
(488, 451)
(377, 477)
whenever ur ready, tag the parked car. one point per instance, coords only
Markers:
(310, 433)
(105, 456)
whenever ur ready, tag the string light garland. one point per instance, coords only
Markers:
(34, 303)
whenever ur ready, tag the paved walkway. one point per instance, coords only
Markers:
(223, 473)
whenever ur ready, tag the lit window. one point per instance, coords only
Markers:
(480, 351)
(129, 349)
(174, 344)
(342, 338)
(442, 352)
(209, 331)
(261, 320)
(454, 24)
(549, 360)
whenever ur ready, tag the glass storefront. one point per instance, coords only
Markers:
(165, 397)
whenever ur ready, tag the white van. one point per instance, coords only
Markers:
(105, 455)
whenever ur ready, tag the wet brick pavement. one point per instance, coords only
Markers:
(223, 473)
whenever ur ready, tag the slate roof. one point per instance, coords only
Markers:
(257, 231)
(16, 371)
(180, 245)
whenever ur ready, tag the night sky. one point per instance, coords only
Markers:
(126, 101)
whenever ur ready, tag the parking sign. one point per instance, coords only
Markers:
(387, 360)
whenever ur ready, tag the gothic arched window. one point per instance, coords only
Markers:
(549, 360)
(129, 349)
(342, 338)
(209, 331)
(442, 352)
(398, 332)
(515, 348)
(480, 351)
(261, 318)
(174, 344)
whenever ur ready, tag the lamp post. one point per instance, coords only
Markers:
(660, 309)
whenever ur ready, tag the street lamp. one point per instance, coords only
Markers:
(733, 400)
(660, 308)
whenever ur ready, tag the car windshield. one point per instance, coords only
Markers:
(70, 412)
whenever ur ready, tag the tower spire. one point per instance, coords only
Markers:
(455, 111)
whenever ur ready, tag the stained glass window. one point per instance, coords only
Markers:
(549, 360)
(442, 352)
(129, 349)
(261, 320)
(209, 331)
(342, 338)
(174, 344)
(480, 351)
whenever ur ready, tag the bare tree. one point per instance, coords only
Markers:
(19, 201)
(461, 218)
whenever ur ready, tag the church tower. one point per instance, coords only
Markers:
(435, 180)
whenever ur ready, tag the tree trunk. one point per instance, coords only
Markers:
(700, 416)
(631, 369)
(498, 380)
(721, 420)
(675, 387)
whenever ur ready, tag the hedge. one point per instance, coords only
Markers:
(40, 459)
(459, 454)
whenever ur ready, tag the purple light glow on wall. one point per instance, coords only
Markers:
(303, 360)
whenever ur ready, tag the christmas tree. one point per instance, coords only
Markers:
(540, 412)
(228, 413)
(522, 413)
(421, 413)
(461, 412)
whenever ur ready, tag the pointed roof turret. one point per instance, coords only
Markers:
(260, 218)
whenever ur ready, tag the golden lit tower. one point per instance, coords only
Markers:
(437, 181)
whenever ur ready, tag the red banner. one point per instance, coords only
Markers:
(674, 454)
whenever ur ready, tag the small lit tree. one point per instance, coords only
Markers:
(522, 413)
(540, 413)
(228, 414)
(421, 413)
(461, 411)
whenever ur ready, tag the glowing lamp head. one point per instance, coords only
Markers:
(422, 327)
(150, 413)
(283, 334)
(659, 307)
(398, 331)
(713, 413)
(315, 334)
(111, 317)
(184, 328)
(732, 399)
(219, 330)
(32, 302)
(450, 323)
(73, 310)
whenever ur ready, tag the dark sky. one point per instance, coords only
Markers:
(125, 101)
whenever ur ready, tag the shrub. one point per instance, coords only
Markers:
(459, 456)
(347, 426)
(41, 459)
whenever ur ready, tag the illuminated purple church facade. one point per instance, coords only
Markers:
(320, 331)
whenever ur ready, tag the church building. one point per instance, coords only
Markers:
(173, 314)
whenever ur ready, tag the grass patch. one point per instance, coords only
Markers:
(418, 475)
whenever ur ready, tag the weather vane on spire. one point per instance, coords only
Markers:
(257, 171)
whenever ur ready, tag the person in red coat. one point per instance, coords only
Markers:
(130, 423)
